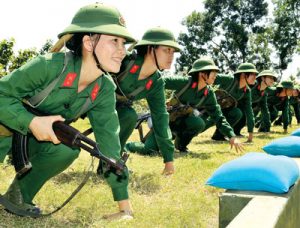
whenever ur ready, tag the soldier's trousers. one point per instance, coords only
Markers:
(47, 161)
(183, 128)
(232, 115)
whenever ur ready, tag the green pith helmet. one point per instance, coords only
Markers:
(159, 36)
(267, 73)
(245, 68)
(202, 64)
(98, 18)
(286, 85)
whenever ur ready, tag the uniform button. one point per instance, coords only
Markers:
(67, 106)
(21, 128)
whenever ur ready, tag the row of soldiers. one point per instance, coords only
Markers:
(99, 80)
(204, 98)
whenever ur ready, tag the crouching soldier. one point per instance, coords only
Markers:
(65, 86)
(264, 80)
(140, 78)
(278, 100)
(192, 97)
(234, 96)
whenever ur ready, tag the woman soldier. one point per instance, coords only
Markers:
(237, 89)
(264, 80)
(97, 46)
(141, 79)
(192, 97)
(295, 103)
(278, 100)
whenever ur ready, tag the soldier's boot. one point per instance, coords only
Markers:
(14, 203)
(181, 143)
(218, 136)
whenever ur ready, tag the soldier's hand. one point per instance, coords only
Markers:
(169, 168)
(234, 142)
(41, 128)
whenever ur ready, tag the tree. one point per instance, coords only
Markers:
(6, 54)
(9, 61)
(230, 31)
(286, 30)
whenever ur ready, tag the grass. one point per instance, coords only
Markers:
(181, 200)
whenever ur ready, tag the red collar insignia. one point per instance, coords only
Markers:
(194, 85)
(149, 84)
(205, 92)
(95, 91)
(70, 77)
(262, 93)
(134, 69)
(245, 89)
(258, 87)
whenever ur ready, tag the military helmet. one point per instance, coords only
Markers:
(245, 68)
(286, 84)
(267, 73)
(98, 18)
(202, 64)
(159, 36)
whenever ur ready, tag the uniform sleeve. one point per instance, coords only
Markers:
(104, 121)
(246, 105)
(20, 84)
(174, 82)
(215, 113)
(160, 118)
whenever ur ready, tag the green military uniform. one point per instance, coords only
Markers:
(48, 159)
(131, 89)
(188, 126)
(187, 107)
(259, 102)
(244, 102)
(153, 92)
(276, 104)
(98, 99)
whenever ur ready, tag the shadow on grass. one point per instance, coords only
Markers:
(77, 177)
(146, 184)
(202, 156)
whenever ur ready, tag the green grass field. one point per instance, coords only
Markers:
(181, 200)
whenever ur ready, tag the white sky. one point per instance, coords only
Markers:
(32, 22)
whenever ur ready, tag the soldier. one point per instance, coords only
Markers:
(234, 96)
(264, 80)
(192, 97)
(278, 100)
(97, 45)
(295, 103)
(141, 79)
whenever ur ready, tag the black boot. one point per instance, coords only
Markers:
(217, 136)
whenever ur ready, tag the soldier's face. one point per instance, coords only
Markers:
(269, 80)
(211, 77)
(251, 78)
(289, 92)
(295, 93)
(165, 56)
(110, 51)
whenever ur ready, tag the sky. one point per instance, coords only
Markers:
(32, 22)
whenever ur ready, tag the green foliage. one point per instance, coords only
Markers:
(286, 30)
(9, 61)
(229, 31)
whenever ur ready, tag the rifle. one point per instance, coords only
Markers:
(69, 136)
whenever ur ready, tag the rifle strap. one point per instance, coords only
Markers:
(184, 88)
(14, 209)
(38, 98)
